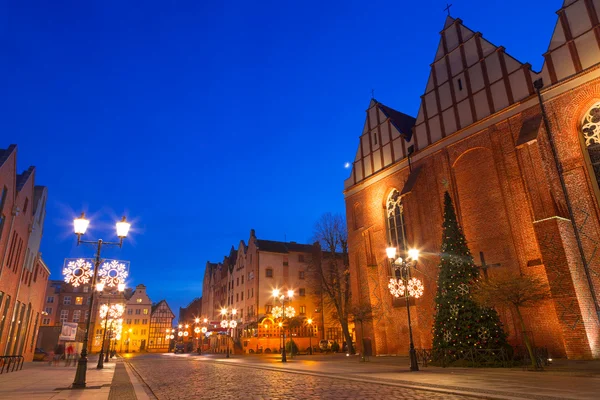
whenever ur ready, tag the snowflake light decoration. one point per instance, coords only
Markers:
(277, 312)
(415, 288)
(224, 323)
(113, 312)
(78, 272)
(483, 334)
(397, 287)
(232, 324)
(463, 288)
(112, 273)
(447, 336)
(204, 329)
(454, 310)
(290, 312)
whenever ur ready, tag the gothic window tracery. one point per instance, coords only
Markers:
(395, 221)
(590, 128)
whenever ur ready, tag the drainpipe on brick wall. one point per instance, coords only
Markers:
(538, 86)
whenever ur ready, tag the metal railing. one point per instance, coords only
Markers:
(11, 363)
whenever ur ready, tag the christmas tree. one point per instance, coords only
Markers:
(460, 323)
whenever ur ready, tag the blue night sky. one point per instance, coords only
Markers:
(200, 120)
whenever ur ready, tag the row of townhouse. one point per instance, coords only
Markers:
(245, 281)
(144, 323)
(23, 274)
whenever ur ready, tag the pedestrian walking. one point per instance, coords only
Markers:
(59, 351)
(69, 355)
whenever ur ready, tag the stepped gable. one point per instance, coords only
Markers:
(385, 139)
(574, 46)
(470, 79)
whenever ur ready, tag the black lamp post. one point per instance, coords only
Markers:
(282, 299)
(80, 226)
(403, 285)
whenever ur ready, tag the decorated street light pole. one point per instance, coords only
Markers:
(226, 323)
(197, 335)
(401, 284)
(110, 314)
(283, 312)
(81, 273)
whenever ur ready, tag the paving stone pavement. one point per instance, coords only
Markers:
(184, 378)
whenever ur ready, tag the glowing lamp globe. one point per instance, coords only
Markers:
(413, 254)
(205, 320)
(99, 287)
(275, 292)
(121, 287)
(234, 311)
(197, 320)
(80, 224)
(123, 228)
(223, 311)
(309, 321)
(391, 252)
(290, 293)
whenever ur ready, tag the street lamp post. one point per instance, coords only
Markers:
(229, 324)
(129, 338)
(197, 336)
(113, 313)
(80, 226)
(309, 322)
(285, 312)
(403, 285)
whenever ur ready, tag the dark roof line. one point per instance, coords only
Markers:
(403, 122)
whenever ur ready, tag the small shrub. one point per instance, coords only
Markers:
(251, 351)
(291, 348)
(267, 350)
(335, 347)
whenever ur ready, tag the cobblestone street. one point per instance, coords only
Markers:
(176, 378)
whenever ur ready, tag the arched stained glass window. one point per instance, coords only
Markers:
(395, 221)
(590, 129)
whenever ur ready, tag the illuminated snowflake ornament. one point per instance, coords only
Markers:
(397, 287)
(447, 336)
(463, 289)
(113, 272)
(415, 288)
(78, 272)
(483, 334)
(224, 323)
(232, 324)
(454, 310)
(290, 312)
(204, 329)
(277, 312)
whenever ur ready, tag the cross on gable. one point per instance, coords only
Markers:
(484, 267)
(448, 8)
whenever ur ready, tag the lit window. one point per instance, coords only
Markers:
(145, 311)
(302, 309)
(395, 221)
(78, 301)
(139, 300)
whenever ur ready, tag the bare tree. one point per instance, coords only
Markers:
(515, 291)
(330, 269)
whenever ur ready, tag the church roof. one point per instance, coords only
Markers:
(404, 123)
(282, 247)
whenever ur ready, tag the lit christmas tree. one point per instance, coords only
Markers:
(460, 323)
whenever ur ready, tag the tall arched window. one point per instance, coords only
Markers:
(395, 221)
(590, 128)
